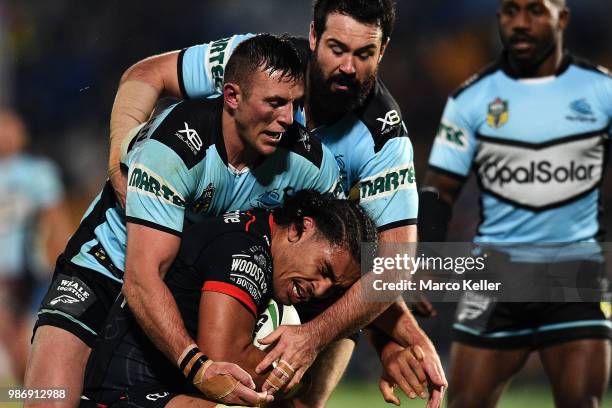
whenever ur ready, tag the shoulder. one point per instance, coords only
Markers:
(298, 140)
(188, 128)
(476, 79)
(381, 115)
(592, 68)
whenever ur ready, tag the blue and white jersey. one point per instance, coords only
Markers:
(179, 175)
(28, 185)
(370, 144)
(538, 147)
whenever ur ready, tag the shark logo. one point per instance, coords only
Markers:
(269, 199)
(63, 299)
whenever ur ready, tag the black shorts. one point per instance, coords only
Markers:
(488, 324)
(155, 396)
(78, 301)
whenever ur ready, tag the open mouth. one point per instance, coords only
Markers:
(298, 293)
(274, 135)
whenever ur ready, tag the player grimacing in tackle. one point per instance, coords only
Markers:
(226, 271)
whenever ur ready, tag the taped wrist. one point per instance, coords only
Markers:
(193, 363)
(434, 216)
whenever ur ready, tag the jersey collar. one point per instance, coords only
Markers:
(504, 65)
(218, 130)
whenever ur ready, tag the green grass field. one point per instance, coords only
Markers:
(366, 395)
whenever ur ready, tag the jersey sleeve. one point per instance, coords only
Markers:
(48, 191)
(239, 267)
(606, 90)
(201, 67)
(387, 185)
(455, 142)
(161, 178)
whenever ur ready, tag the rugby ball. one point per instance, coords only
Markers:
(276, 314)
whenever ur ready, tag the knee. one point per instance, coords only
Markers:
(579, 401)
(469, 399)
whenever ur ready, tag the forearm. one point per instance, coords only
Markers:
(158, 315)
(134, 102)
(399, 324)
(347, 315)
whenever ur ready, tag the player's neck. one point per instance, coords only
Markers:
(549, 66)
(239, 154)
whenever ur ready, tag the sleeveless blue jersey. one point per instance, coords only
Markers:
(179, 175)
(538, 147)
(370, 144)
(27, 186)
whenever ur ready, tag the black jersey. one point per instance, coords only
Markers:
(228, 254)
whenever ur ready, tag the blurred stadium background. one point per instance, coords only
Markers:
(61, 60)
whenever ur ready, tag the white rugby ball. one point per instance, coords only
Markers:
(276, 314)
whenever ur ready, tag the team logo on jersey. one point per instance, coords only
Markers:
(203, 203)
(387, 183)
(269, 199)
(191, 138)
(497, 115)
(581, 111)
(390, 121)
(451, 135)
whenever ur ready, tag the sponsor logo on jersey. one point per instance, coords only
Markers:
(472, 306)
(543, 172)
(452, 135)
(246, 273)
(157, 396)
(216, 59)
(497, 114)
(191, 138)
(581, 111)
(391, 120)
(203, 203)
(147, 181)
(63, 299)
(387, 183)
(521, 173)
(70, 295)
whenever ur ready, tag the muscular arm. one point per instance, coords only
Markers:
(149, 255)
(139, 89)
(225, 333)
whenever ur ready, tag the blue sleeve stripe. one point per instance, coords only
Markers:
(179, 70)
(457, 176)
(150, 224)
(397, 224)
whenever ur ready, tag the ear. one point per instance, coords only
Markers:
(312, 37)
(564, 18)
(383, 47)
(232, 95)
(295, 235)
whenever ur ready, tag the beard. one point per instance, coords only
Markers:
(327, 104)
(528, 62)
